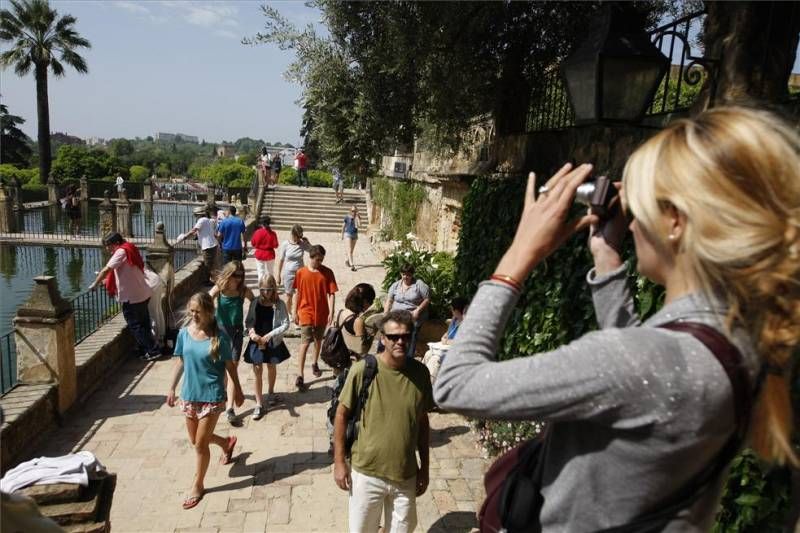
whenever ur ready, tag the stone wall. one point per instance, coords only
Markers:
(446, 180)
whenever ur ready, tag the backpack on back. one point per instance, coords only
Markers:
(334, 351)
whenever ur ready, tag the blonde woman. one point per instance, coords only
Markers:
(203, 355)
(637, 411)
(229, 293)
(290, 260)
(267, 321)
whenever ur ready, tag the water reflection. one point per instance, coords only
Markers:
(74, 269)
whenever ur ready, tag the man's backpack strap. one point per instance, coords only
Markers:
(370, 371)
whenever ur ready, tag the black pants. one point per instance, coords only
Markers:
(138, 319)
(231, 255)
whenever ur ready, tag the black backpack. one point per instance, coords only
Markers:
(351, 432)
(334, 351)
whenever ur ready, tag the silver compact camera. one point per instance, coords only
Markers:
(597, 195)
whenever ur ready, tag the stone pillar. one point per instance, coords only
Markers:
(84, 189)
(44, 332)
(147, 190)
(161, 259)
(52, 190)
(251, 199)
(210, 194)
(108, 222)
(124, 220)
(16, 194)
(7, 218)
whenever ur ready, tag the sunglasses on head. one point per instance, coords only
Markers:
(267, 290)
(394, 337)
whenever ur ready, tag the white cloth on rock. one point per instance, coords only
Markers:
(71, 468)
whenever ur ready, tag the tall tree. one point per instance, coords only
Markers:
(43, 41)
(14, 147)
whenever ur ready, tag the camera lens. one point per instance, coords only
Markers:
(584, 193)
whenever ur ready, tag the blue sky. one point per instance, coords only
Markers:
(171, 66)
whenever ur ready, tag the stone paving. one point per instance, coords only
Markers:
(281, 479)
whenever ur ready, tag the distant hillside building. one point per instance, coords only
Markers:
(175, 137)
(225, 150)
(95, 141)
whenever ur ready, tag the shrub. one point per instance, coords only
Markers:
(24, 175)
(436, 269)
(316, 178)
(139, 173)
(225, 172)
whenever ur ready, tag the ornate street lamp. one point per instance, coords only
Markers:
(614, 74)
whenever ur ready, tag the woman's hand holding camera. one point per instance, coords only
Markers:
(543, 226)
(607, 256)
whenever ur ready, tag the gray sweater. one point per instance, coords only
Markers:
(635, 410)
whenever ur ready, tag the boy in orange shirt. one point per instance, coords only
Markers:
(316, 287)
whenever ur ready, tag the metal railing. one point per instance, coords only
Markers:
(687, 71)
(8, 363)
(53, 222)
(550, 107)
(97, 188)
(92, 310)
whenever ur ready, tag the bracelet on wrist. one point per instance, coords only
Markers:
(508, 280)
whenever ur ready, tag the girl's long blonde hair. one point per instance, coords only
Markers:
(268, 282)
(227, 273)
(206, 305)
(734, 174)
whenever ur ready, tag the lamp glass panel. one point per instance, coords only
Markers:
(581, 79)
(628, 82)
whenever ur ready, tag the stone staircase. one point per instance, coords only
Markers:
(314, 208)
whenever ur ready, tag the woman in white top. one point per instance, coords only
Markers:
(290, 259)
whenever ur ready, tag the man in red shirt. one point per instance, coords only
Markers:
(302, 168)
(316, 287)
(264, 241)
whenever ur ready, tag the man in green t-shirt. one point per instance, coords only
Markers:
(393, 427)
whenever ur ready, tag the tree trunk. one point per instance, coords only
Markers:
(755, 44)
(43, 117)
(513, 93)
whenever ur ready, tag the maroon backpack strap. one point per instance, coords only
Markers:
(731, 360)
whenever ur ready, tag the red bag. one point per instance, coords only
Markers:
(513, 496)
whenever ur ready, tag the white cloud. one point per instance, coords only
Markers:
(205, 14)
(132, 7)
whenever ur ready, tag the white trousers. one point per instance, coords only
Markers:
(265, 267)
(369, 495)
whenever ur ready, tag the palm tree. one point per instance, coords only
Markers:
(40, 39)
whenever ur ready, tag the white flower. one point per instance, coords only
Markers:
(434, 266)
(407, 254)
(410, 236)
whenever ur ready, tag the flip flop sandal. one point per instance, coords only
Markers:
(192, 501)
(300, 383)
(227, 456)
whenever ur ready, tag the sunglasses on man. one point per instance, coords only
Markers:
(394, 337)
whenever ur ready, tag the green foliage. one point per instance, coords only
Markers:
(555, 308)
(72, 162)
(120, 147)
(316, 178)
(400, 200)
(28, 177)
(755, 497)
(226, 172)
(139, 173)
(16, 149)
(437, 269)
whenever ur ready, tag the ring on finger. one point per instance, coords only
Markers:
(544, 189)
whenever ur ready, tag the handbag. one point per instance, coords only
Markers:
(513, 483)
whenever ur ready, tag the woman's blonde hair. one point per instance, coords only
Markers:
(206, 305)
(228, 271)
(734, 174)
(268, 282)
